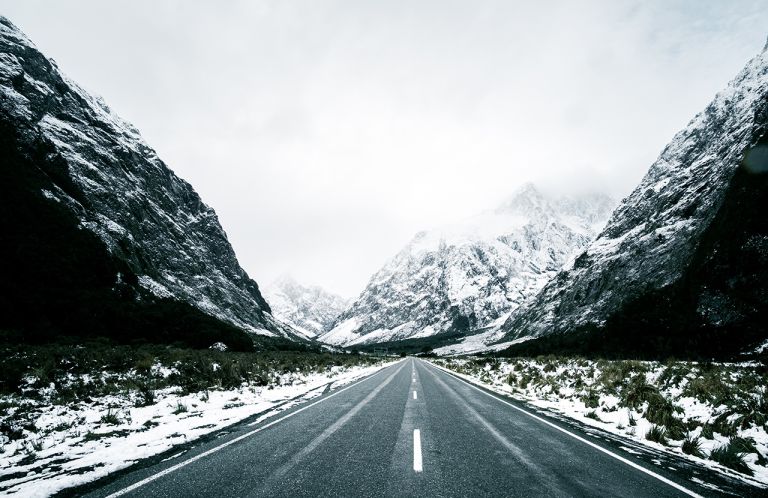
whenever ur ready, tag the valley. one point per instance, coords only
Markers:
(561, 342)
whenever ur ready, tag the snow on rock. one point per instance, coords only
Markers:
(310, 310)
(462, 277)
(684, 236)
(121, 191)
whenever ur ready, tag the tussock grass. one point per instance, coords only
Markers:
(657, 434)
(110, 418)
(732, 455)
(692, 446)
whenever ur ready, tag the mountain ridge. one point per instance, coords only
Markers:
(309, 309)
(657, 269)
(72, 154)
(463, 276)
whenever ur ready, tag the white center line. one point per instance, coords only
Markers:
(417, 465)
(414, 394)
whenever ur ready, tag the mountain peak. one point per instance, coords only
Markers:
(524, 198)
(283, 280)
(308, 308)
(465, 276)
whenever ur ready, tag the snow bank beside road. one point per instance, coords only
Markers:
(78, 443)
(713, 414)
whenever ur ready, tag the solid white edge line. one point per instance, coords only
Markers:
(577, 437)
(417, 463)
(204, 454)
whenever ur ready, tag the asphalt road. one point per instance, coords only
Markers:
(378, 438)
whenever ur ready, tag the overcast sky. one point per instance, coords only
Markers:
(326, 133)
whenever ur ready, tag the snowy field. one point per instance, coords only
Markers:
(64, 445)
(713, 414)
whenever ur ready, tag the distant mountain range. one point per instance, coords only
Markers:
(102, 240)
(100, 237)
(463, 277)
(310, 310)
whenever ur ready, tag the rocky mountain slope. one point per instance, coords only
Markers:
(682, 266)
(462, 277)
(98, 232)
(310, 310)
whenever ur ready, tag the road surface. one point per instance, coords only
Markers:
(413, 429)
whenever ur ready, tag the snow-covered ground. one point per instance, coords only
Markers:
(703, 400)
(73, 444)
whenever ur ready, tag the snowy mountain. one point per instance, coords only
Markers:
(462, 277)
(309, 309)
(682, 265)
(129, 234)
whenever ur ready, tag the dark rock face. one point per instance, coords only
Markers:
(67, 154)
(681, 266)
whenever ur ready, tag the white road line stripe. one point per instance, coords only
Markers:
(579, 438)
(417, 463)
(204, 454)
(414, 394)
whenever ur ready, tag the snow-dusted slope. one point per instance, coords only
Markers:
(462, 277)
(100, 170)
(309, 309)
(685, 256)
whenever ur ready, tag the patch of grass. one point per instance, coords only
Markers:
(614, 374)
(150, 423)
(63, 426)
(593, 415)
(709, 387)
(95, 436)
(180, 408)
(110, 418)
(752, 411)
(674, 374)
(692, 446)
(591, 399)
(637, 392)
(722, 426)
(731, 455)
(661, 411)
(144, 387)
(657, 434)
(11, 430)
